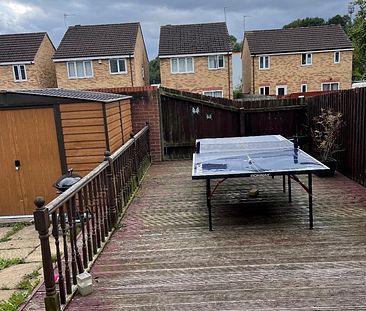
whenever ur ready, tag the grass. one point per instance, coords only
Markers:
(15, 228)
(25, 287)
(5, 263)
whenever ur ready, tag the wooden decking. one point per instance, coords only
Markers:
(260, 256)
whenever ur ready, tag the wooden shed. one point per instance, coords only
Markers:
(45, 132)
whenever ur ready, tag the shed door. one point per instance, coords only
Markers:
(36, 151)
(11, 199)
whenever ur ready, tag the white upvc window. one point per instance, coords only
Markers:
(330, 86)
(337, 57)
(264, 90)
(306, 59)
(281, 89)
(20, 74)
(79, 69)
(216, 62)
(303, 88)
(182, 65)
(263, 62)
(215, 93)
(117, 66)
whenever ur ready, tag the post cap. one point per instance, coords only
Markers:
(39, 202)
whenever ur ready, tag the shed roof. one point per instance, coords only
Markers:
(21, 47)
(73, 94)
(194, 39)
(98, 40)
(317, 38)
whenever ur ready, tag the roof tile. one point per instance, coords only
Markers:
(194, 39)
(329, 37)
(98, 40)
(20, 47)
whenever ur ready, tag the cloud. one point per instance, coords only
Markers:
(45, 15)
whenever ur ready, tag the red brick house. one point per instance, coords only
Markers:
(196, 58)
(303, 59)
(26, 61)
(100, 56)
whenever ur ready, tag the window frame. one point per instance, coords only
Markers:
(259, 62)
(330, 86)
(264, 88)
(306, 87)
(119, 72)
(211, 91)
(84, 69)
(185, 61)
(339, 57)
(19, 73)
(282, 86)
(217, 56)
(306, 59)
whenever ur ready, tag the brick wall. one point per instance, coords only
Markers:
(201, 80)
(45, 67)
(141, 62)
(144, 108)
(287, 70)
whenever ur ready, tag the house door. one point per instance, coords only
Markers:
(34, 163)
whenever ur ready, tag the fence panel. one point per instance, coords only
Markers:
(351, 103)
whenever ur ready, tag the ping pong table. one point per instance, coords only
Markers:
(253, 156)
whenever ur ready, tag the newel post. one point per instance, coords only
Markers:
(112, 209)
(42, 225)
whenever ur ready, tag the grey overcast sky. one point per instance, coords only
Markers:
(17, 16)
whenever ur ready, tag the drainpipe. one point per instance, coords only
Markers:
(228, 71)
(129, 57)
(253, 75)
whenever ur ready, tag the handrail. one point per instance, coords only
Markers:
(85, 215)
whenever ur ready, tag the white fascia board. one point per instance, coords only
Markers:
(302, 52)
(193, 55)
(17, 63)
(90, 58)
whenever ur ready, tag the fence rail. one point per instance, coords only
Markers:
(82, 218)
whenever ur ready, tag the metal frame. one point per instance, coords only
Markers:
(308, 189)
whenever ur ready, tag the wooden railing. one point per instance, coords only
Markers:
(81, 219)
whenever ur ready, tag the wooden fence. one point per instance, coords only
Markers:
(352, 104)
(187, 116)
(92, 207)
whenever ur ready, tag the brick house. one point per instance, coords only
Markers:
(26, 61)
(196, 58)
(99, 56)
(304, 59)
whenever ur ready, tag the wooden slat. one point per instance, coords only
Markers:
(85, 159)
(85, 144)
(80, 107)
(81, 115)
(85, 152)
(83, 129)
(83, 137)
(114, 118)
(82, 122)
(112, 111)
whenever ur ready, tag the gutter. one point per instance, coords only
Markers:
(130, 59)
(228, 70)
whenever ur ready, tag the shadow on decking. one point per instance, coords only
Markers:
(260, 256)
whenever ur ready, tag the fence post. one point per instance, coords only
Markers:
(110, 189)
(42, 225)
(242, 121)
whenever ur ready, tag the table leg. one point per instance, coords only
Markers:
(289, 189)
(208, 196)
(284, 183)
(310, 192)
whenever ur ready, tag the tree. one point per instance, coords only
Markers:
(235, 44)
(344, 21)
(154, 68)
(357, 33)
(306, 22)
